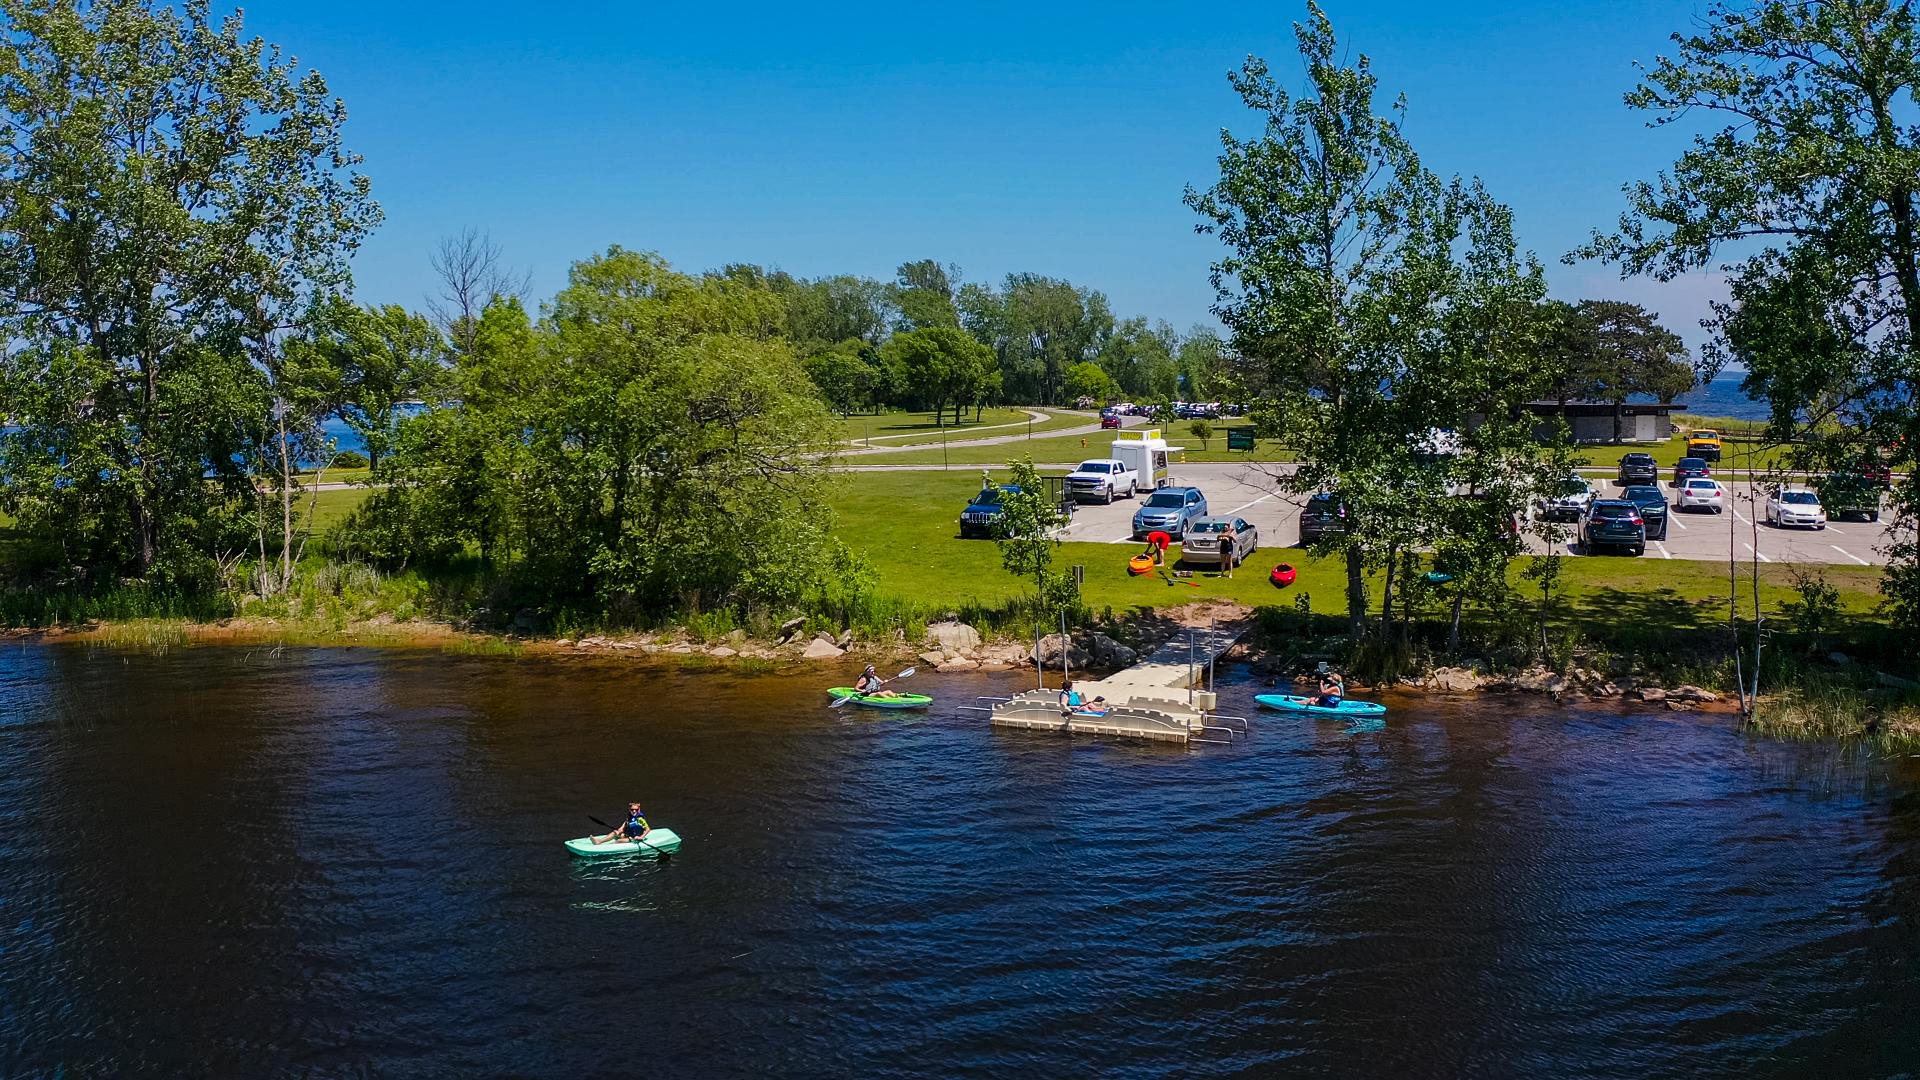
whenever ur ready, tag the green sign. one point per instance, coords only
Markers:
(1240, 438)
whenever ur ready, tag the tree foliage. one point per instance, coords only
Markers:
(172, 195)
(652, 445)
(1361, 291)
(1808, 187)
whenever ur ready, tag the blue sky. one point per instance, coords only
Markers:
(1001, 137)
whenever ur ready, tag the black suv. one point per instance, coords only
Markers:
(1613, 523)
(1653, 507)
(1322, 514)
(1638, 469)
(1690, 468)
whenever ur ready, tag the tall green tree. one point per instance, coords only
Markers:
(1337, 268)
(923, 295)
(172, 194)
(661, 449)
(943, 365)
(1088, 380)
(381, 357)
(1029, 538)
(1203, 367)
(1809, 190)
(1140, 357)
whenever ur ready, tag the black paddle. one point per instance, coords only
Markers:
(839, 701)
(662, 852)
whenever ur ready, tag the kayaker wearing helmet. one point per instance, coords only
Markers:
(869, 684)
(634, 829)
(1332, 688)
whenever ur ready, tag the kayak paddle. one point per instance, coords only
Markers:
(664, 854)
(907, 674)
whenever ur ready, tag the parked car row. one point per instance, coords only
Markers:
(1185, 410)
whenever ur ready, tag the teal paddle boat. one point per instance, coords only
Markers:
(1347, 709)
(879, 701)
(657, 842)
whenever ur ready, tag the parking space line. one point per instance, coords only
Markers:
(1662, 545)
(1255, 502)
(1751, 551)
(1849, 554)
(1674, 518)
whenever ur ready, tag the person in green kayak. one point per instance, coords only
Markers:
(634, 830)
(870, 684)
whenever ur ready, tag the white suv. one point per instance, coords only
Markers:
(1795, 505)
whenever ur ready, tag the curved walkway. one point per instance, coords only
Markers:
(992, 440)
(1034, 416)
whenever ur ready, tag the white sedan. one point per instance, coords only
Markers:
(1795, 506)
(1700, 493)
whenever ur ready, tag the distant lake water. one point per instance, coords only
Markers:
(1723, 397)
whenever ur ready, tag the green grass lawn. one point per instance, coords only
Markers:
(907, 524)
(1733, 455)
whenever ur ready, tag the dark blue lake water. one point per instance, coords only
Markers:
(238, 862)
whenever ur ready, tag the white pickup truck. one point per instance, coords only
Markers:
(1102, 479)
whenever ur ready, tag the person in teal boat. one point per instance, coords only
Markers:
(870, 684)
(635, 828)
(1332, 689)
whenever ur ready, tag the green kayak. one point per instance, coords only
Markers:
(881, 701)
(658, 842)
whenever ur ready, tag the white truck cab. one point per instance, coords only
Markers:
(1102, 479)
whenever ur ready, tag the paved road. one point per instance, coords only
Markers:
(1249, 492)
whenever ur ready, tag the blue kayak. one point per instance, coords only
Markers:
(1292, 703)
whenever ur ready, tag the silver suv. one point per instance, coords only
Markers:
(1170, 510)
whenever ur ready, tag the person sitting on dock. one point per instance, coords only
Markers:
(1070, 699)
(1332, 689)
(869, 684)
(633, 830)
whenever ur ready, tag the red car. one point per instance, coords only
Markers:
(1109, 422)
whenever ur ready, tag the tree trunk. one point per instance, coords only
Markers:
(286, 500)
(1386, 596)
(1356, 596)
(1453, 631)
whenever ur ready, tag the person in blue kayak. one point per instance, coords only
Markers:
(1332, 689)
(870, 684)
(1071, 699)
(634, 830)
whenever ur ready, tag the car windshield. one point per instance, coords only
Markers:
(1641, 493)
(1321, 504)
(1171, 500)
(1701, 485)
(1638, 459)
(1693, 463)
(1573, 487)
(1096, 466)
(989, 497)
(1209, 526)
(1613, 510)
(1706, 434)
(1804, 498)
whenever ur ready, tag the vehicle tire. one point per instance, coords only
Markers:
(1106, 497)
(1874, 516)
(1821, 526)
(1639, 549)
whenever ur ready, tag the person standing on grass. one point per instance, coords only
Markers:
(1229, 548)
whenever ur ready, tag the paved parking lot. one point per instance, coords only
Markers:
(1249, 492)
